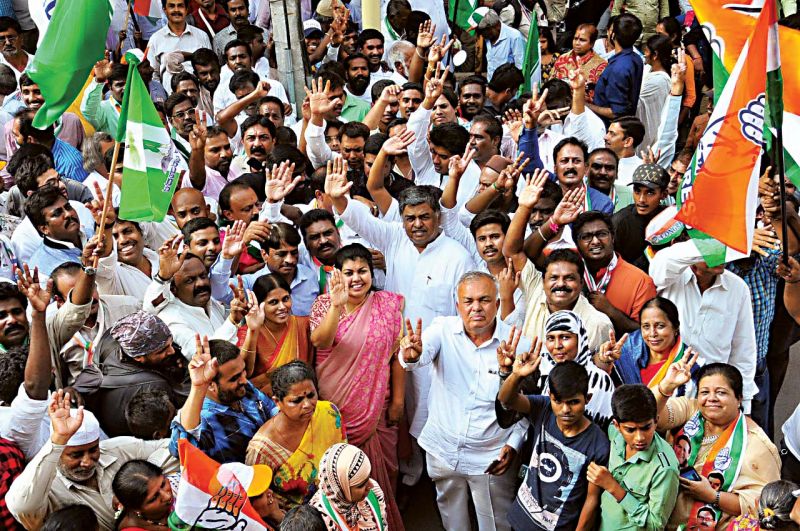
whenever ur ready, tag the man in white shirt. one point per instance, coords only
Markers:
(624, 134)
(370, 43)
(12, 53)
(715, 308)
(422, 263)
(468, 453)
(239, 58)
(176, 36)
(126, 266)
(505, 45)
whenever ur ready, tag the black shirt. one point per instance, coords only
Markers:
(629, 229)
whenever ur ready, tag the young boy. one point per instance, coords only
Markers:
(641, 482)
(650, 183)
(555, 494)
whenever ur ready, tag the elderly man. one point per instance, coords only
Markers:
(469, 454)
(505, 45)
(74, 466)
(135, 354)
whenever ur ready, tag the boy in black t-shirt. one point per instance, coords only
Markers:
(555, 494)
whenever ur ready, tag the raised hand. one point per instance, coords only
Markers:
(570, 206)
(678, 74)
(102, 68)
(199, 132)
(29, 286)
(64, 424)
(92, 249)
(398, 144)
(435, 86)
(233, 243)
(439, 50)
(534, 185)
(319, 99)
(577, 81)
(95, 206)
(336, 183)
(533, 109)
(256, 315)
(256, 231)
(765, 239)
(169, 262)
(507, 351)
(280, 182)
(649, 157)
(679, 372)
(512, 119)
(611, 350)
(457, 164)
(240, 304)
(411, 344)
(262, 90)
(202, 367)
(425, 36)
(507, 181)
(389, 92)
(508, 280)
(338, 289)
(526, 363)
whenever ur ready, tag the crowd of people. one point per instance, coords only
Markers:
(415, 270)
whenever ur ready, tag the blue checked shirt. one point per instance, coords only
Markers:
(763, 284)
(69, 161)
(225, 430)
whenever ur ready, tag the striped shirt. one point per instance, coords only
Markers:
(69, 161)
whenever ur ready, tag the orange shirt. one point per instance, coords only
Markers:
(629, 288)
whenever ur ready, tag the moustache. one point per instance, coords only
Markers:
(13, 328)
(490, 248)
(570, 172)
(201, 290)
(258, 149)
(562, 289)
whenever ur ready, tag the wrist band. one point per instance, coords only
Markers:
(716, 499)
(553, 226)
(420, 55)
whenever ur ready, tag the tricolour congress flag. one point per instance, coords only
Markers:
(74, 42)
(148, 8)
(213, 496)
(720, 193)
(532, 65)
(152, 167)
(727, 27)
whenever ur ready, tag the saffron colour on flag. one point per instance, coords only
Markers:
(152, 167)
(75, 40)
(532, 65)
(720, 199)
(147, 8)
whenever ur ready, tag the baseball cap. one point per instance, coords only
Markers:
(482, 18)
(325, 9)
(310, 28)
(651, 176)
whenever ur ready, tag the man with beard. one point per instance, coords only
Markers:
(238, 13)
(399, 57)
(358, 76)
(182, 117)
(224, 410)
(430, 153)
(561, 284)
(206, 67)
(12, 53)
(13, 320)
(602, 175)
(68, 160)
(410, 98)
(102, 113)
(74, 466)
(175, 36)
(34, 172)
(650, 183)
(68, 127)
(134, 354)
(422, 263)
(321, 237)
(180, 295)
(56, 221)
(210, 161)
(471, 96)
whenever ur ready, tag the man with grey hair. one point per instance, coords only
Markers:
(505, 45)
(422, 263)
(75, 466)
(469, 454)
(399, 57)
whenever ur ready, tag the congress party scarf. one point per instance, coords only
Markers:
(675, 354)
(725, 458)
(601, 280)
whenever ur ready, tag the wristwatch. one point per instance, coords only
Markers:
(90, 271)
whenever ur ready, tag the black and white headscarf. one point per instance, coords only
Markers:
(601, 387)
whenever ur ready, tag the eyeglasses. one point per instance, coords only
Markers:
(9, 38)
(587, 237)
(182, 115)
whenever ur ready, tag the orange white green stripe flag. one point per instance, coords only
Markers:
(719, 194)
(214, 496)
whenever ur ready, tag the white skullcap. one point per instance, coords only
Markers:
(89, 431)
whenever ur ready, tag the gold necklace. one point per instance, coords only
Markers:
(265, 327)
(348, 313)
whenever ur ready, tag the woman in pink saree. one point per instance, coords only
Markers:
(355, 330)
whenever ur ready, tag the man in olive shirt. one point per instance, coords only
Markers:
(641, 482)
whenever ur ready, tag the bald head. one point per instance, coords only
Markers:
(188, 204)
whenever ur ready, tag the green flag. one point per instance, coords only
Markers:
(532, 65)
(75, 40)
(460, 12)
(152, 167)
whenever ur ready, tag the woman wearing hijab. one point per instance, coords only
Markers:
(566, 339)
(347, 498)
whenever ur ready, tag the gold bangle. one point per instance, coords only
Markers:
(662, 393)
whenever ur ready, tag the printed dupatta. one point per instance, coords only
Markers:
(724, 458)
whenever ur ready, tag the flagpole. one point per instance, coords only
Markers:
(127, 18)
(107, 199)
(779, 165)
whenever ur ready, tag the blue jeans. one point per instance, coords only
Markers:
(759, 410)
